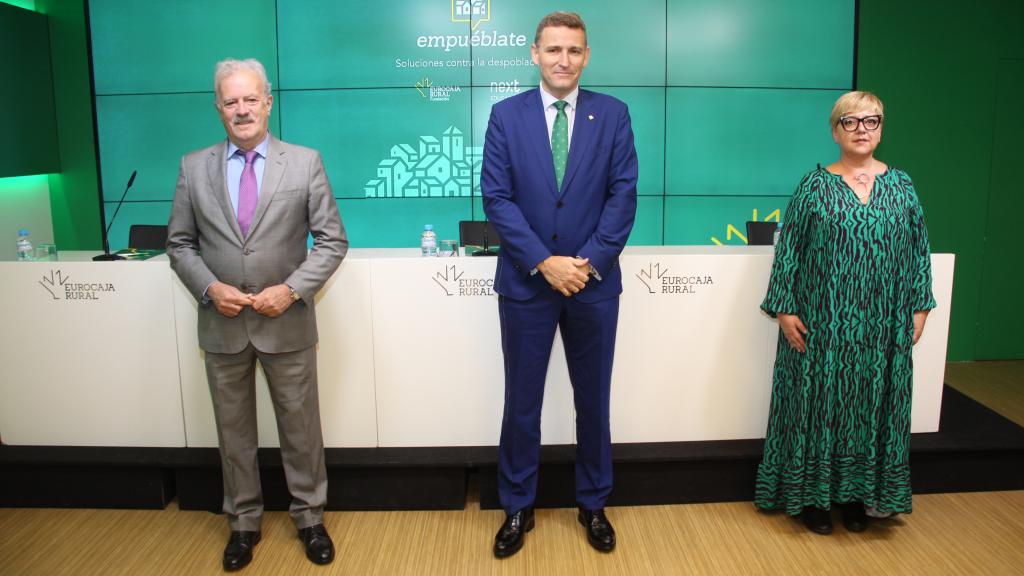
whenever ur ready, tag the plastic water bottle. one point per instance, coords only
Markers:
(777, 233)
(428, 241)
(24, 249)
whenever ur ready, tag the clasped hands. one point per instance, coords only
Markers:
(566, 274)
(271, 302)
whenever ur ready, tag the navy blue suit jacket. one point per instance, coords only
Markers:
(591, 216)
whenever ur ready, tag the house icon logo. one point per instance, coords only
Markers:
(435, 168)
(471, 11)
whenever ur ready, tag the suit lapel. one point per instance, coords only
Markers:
(215, 168)
(273, 170)
(537, 132)
(583, 129)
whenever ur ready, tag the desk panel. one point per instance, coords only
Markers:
(89, 355)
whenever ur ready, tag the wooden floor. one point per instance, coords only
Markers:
(966, 533)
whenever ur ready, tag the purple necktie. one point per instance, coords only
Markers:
(247, 193)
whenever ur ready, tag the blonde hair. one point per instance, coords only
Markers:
(852, 102)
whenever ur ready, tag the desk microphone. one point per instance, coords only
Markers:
(486, 251)
(107, 256)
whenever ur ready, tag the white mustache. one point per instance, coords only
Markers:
(242, 119)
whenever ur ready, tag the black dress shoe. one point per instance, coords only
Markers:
(817, 520)
(855, 518)
(238, 552)
(600, 533)
(319, 548)
(509, 539)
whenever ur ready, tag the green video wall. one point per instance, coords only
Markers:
(729, 100)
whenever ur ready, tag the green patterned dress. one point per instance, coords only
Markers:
(839, 423)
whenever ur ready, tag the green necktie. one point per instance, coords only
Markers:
(560, 141)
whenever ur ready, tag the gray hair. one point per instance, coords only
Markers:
(229, 66)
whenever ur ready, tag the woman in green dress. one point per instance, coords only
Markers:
(851, 288)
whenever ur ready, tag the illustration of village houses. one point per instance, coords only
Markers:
(439, 168)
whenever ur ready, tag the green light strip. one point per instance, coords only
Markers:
(26, 4)
(13, 185)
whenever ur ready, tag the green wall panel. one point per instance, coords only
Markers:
(726, 141)
(74, 192)
(173, 45)
(999, 314)
(712, 220)
(27, 119)
(794, 44)
(150, 134)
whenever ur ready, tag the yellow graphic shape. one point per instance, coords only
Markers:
(472, 11)
(731, 229)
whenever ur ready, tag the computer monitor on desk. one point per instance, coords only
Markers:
(479, 234)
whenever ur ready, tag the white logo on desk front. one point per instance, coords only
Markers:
(60, 287)
(657, 280)
(454, 282)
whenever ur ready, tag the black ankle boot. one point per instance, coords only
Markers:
(817, 520)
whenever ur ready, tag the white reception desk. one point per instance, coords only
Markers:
(106, 354)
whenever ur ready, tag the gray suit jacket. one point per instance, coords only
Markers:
(205, 244)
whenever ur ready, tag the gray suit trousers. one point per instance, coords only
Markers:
(291, 379)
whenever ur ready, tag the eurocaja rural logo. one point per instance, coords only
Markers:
(455, 282)
(60, 286)
(659, 280)
(425, 86)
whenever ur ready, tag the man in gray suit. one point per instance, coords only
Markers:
(237, 238)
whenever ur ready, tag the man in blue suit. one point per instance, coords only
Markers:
(559, 185)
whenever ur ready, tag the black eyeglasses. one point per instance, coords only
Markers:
(871, 123)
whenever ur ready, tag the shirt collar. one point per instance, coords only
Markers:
(261, 148)
(548, 99)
